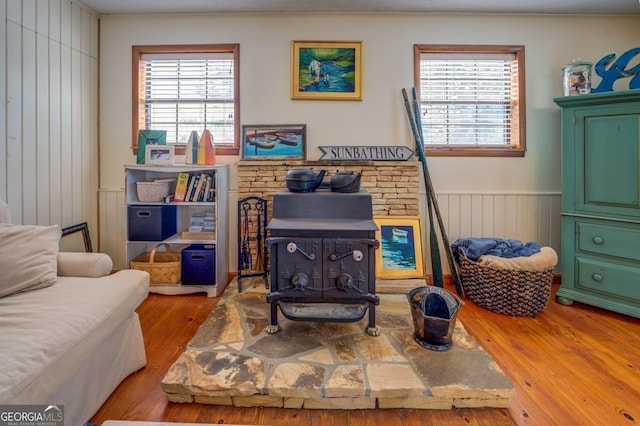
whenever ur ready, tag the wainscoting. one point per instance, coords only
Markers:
(526, 217)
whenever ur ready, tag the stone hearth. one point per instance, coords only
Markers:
(232, 361)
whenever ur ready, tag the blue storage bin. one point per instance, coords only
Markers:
(151, 223)
(199, 264)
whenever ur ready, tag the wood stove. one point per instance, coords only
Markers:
(322, 247)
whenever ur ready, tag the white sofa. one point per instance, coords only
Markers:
(73, 339)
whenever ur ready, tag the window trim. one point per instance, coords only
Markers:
(137, 99)
(517, 150)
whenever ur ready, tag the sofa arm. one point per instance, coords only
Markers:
(78, 264)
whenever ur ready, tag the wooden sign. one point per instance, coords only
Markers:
(366, 153)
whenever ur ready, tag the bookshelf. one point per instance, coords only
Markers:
(172, 222)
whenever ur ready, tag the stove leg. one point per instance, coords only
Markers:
(372, 330)
(273, 327)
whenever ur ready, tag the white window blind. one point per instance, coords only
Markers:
(468, 99)
(189, 91)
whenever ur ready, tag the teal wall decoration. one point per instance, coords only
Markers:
(618, 69)
(149, 137)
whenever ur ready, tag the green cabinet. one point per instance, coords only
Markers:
(601, 200)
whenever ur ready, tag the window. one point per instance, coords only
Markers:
(184, 88)
(472, 99)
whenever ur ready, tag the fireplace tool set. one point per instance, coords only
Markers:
(252, 249)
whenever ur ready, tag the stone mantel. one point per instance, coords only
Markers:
(394, 185)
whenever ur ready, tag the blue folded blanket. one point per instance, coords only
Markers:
(476, 247)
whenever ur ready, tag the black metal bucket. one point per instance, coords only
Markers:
(434, 310)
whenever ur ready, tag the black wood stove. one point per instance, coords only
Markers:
(322, 247)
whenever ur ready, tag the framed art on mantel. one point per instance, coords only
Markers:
(327, 70)
(274, 142)
(400, 253)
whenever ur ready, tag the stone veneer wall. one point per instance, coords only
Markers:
(394, 185)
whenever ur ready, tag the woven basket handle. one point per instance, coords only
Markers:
(155, 248)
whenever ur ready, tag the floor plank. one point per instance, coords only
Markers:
(570, 365)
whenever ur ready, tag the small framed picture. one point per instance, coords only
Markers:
(149, 138)
(76, 238)
(400, 253)
(159, 154)
(273, 142)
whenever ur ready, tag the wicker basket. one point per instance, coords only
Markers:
(163, 267)
(506, 291)
(154, 191)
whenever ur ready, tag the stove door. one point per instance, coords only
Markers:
(298, 263)
(349, 265)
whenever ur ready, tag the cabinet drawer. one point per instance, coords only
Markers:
(611, 279)
(611, 240)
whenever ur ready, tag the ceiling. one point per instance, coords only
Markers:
(109, 7)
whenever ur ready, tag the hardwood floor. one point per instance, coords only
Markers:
(571, 365)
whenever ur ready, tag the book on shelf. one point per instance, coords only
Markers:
(196, 224)
(209, 222)
(195, 187)
(195, 178)
(198, 189)
(181, 187)
(204, 190)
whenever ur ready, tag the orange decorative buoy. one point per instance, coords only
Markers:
(206, 149)
(209, 149)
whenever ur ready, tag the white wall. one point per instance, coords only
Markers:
(379, 119)
(49, 110)
(479, 196)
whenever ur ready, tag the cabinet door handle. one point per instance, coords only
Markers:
(596, 277)
(598, 240)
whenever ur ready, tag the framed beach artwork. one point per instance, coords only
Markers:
(273, 142)
(159, 154)
(400, 252)
(329, 70)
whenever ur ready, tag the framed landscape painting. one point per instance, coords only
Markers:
(328, 70)
(400, 252)
(273, 142)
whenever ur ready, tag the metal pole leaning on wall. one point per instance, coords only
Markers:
(417, 134)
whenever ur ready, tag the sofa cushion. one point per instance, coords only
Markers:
(28, 257)
(47, 333)
(80, 264)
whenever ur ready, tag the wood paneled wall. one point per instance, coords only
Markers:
(49, 130)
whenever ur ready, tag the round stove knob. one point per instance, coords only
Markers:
(344, 282)
(300, 281)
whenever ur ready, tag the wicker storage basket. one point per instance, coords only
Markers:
(514, 292)
(154, 191)
(163, 267)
